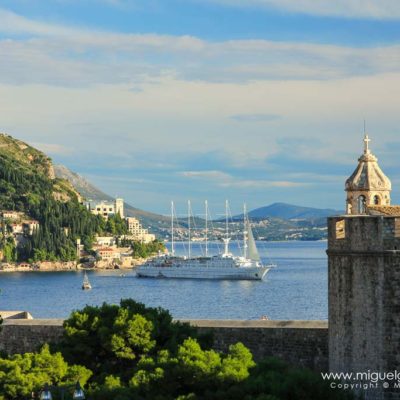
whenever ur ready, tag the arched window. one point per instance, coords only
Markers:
(361, 204)
(377, 200)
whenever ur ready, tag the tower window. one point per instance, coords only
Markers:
(361, 202)
(340, 229)
(377, 200)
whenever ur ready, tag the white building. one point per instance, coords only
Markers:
(137, 232)
(12, 215)
(107, 241)
(107, 208)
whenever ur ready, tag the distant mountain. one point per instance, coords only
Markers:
(290, 211)
(90, 192)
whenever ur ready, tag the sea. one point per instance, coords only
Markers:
(296, 289)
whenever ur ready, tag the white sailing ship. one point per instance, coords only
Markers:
(223, 266)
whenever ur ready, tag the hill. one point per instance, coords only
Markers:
(52, 218)
(26, 158)
(290, 211)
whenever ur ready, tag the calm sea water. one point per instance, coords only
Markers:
(296, 289)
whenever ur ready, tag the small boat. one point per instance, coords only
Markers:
(86, 284)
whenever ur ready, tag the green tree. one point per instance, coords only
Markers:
(144, 250)
(31, 191)
(112, 339)
(10, 250)
(20, 375)
(137, 352)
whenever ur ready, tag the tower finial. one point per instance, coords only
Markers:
(366, 144)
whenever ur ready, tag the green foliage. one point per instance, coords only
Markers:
(144, 250)
(9, 250)
(116, 225)
(113, 339)
(192, 371)
(273, 379)
(20, 375)
(134, 352)
(61, 223)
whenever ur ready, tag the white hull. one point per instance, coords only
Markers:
(203, 272)
(224, 266)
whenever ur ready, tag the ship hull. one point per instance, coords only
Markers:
(198, 272)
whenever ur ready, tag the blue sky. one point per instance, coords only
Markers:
(257, 100)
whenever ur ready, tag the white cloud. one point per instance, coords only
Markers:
(376, 9)
(225, 180)
(39, 52)
(213, 175)
(73, 87)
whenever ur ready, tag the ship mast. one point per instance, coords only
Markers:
(206, 205)
(190, 242)
(244, 230)
(227, 239)
(172, 229)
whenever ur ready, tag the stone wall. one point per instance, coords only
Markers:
(364, 298)
(300, 343)
(25, 335)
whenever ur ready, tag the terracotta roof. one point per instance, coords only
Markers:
(384, 210)
(105, 249)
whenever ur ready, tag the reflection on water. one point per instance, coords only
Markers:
(296, 289)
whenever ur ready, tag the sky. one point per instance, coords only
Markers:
(255, 101)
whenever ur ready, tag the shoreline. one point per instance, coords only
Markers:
(73, 266)
(66, 267)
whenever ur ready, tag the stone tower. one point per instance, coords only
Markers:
(119, 207)
(368, 185)
(364, 282)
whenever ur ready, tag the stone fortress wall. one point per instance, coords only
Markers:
(300, 343)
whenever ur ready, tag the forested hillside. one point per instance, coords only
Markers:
(28, 185)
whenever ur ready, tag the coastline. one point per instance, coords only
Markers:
(60, 266)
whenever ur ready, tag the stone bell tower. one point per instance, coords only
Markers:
(364, 284)
(368, 185)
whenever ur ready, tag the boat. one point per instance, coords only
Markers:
(86, 284)
(223, 266)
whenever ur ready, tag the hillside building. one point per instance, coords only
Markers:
(12, 215)
(137, 232)
(107, 208)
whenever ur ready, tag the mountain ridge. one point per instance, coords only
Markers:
(291, 211)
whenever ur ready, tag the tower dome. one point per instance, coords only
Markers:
(368, 185)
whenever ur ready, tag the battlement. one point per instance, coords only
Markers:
(364, 234)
